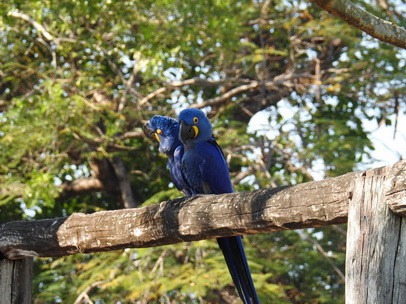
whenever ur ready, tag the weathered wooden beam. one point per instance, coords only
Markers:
(376, 238)
(15, 281)
(195, 218)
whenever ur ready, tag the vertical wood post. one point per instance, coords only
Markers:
(15, 281)
(376, 244)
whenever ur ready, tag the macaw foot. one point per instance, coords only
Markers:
(162, 204)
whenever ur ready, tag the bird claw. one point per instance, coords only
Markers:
(162, 204)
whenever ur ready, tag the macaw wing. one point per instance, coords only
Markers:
(207, 173)
(175, 169)
(215, 176)
(215, 179)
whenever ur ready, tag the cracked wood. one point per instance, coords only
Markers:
(376, 238)
(195, 218)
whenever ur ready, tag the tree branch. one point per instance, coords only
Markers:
(196, 218)
(84, 295)
(367, 22)
(79, 186)
(306, 237)
(112, 144)
(130, 134)
(39, 27)
(242, 86)
(275, 84)
(233, 92)
(193, 81)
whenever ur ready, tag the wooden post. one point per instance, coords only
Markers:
(15, 281)
(376, 240)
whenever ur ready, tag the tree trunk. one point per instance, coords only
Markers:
(124, 182)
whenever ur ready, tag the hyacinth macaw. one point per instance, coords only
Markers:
(205, 171)
(166, 131)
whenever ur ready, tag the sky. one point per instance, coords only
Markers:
(388, 149)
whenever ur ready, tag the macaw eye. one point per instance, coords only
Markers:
(195, 120)
(159, 131)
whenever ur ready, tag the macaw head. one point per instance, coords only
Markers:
(194, 126)
(166, 131)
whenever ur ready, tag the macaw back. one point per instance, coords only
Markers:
(206, 172)
(205, 169)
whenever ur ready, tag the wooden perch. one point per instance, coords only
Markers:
(196, 218)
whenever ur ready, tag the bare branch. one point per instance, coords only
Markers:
(242, 86)
(153, 95)
(365, 21)
(220, 99)
(11, 191)
(130, 134)
(80, 185)
(39, 27)
(193, 81)
(84, 295)
(275, 84)
(128, 87)
(306, 237)
(111, 144)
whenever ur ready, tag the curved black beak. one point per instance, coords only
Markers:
(187, 132)
(147, 130)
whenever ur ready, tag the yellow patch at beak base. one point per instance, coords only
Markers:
(196, 129)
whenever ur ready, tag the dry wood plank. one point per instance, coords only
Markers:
(15, 281)
(395, 193)
(195, 218)
(376, 239)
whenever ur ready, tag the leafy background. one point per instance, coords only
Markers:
(79, 78)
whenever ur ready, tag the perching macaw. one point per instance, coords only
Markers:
(206, 172)
(166, 131)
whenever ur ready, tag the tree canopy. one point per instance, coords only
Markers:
(79, 78)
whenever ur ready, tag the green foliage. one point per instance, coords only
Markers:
(73, 89)
(163, 196)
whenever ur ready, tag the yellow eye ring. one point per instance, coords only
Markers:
(159, 131)
(195, 120)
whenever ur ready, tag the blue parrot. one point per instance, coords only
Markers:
(205, 171)
(166, 131)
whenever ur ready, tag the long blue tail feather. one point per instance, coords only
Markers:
(233, 251)
(199, 167)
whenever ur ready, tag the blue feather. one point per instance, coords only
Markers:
(199, 167)
(166, 130)
(206, 172)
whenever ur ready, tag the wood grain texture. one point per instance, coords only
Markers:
(376, 239)
(195, 218)
(395, 188)
(15, 281)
